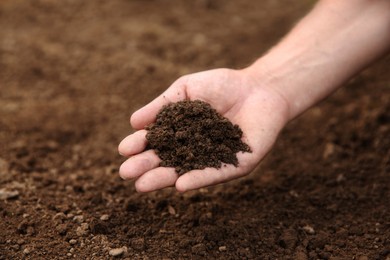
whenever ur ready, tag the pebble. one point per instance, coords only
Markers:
(78, 218)
(82, 230)
(222, 248)
(104, 217)
(117, 251)
(340, 177)
(73, 241)
(59, 216)
(328, 150)
(27, 251)
(309, 230)
(5, 194)
(171, 210)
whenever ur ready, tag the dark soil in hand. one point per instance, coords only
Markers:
(192, 135)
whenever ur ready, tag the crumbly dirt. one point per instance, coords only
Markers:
(192, 135)
(71, 73)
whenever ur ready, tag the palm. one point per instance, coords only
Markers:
(259, 112)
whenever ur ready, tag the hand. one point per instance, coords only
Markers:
(258, 110)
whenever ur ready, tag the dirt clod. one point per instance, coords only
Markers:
(117, 251)
(6, 194)
(192, 135)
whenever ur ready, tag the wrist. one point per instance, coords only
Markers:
(262, 82)
(274, 78)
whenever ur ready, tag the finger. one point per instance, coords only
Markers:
(147, 114)
(139, 164)
(156, 179)
(196, 179)
(133, 144)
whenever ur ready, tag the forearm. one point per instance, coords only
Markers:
(336, 40)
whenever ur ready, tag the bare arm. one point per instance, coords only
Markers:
(335, 41)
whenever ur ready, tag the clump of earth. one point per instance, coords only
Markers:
(190, 135)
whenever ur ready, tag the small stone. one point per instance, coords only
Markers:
(73, 241)
(78, 218)
(309, 230)
(293, 193)
(328, 150)
(171, 210)
(104, 217)
(117, 251)
(340, 177)
(82, 230)
(71, 250)
(69, 254)
(25, 215)
(222, 248)
(5, 194)
(59, 216)
(27, 251)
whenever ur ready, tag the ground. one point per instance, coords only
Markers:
(72, 72)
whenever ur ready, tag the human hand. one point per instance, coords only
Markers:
(259, 111)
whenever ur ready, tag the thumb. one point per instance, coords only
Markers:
(147, 114)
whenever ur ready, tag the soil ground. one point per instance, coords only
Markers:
(71, 73)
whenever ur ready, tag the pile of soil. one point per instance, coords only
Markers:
(192, 135)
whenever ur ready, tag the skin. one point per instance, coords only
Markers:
(335, 41)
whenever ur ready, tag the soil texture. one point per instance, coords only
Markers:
(71, 74)
(192, 135)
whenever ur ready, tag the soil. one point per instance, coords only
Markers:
(192, 135)
(71, 73)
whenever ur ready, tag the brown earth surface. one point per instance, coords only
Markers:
(71, 73)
